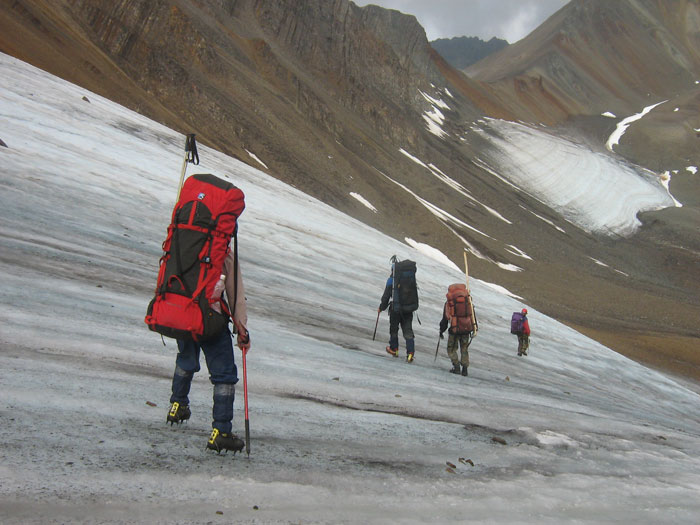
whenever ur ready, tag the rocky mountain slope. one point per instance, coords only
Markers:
(593, 57)
(340, 100)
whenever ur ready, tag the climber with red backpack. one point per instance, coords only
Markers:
(458, 313)
(197, 266)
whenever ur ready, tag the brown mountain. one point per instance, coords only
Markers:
(597, 56)
(328, 95)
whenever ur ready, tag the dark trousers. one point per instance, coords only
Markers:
(223, 374)
(405, 320)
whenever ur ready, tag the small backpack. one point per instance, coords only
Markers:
(405, 290)
(197, 243)
(459, 309)
(516, 323)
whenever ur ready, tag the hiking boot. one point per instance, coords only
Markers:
(218, 441)
(392, 351)
(409, 358)
(455, 369)
(178, 413)
(464, 371)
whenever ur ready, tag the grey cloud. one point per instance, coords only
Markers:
(508, 19)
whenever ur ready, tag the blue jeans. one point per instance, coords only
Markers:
(223, 374)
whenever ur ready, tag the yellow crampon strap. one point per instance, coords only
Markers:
(214, 434)
(174, 409)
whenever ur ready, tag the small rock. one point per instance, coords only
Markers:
(507, 378)
(496, 439)
(151, 404)
(448, 469)
(255, 507)
(221, 512)
(2, 144)
(466, 461)
(451, 465)
(86, 99)
(336, 379)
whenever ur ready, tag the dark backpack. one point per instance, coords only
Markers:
(203, 222)
(516, 323)
(459, 309)
(405, 290)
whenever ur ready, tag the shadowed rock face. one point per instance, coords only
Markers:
(326, 94)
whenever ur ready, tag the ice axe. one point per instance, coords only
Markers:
(376, 324)
(192, 156)
(437, 348)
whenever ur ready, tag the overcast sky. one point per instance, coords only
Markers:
(507, 19)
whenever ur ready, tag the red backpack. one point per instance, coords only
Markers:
(203, 222)
(459, 309)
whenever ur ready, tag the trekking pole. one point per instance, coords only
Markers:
(375, 325)
(436, 349)
(192, 156)
(245, 402)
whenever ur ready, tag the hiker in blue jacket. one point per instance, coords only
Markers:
(396, 319)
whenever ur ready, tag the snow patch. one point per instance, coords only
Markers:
(438, 173)
(599, 263)
(622, 126)
(544, 219)
(665, 179)
(433, 122)
(431, 252)
(435, 119)
(501, 290)
(609, 114)
(593, 190)
(517, 251)
(434, 101)
(256, 159)
(692, 169)
(363, 201)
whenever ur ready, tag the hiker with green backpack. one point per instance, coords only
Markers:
(401, 298)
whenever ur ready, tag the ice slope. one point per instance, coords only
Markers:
(341, 432)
